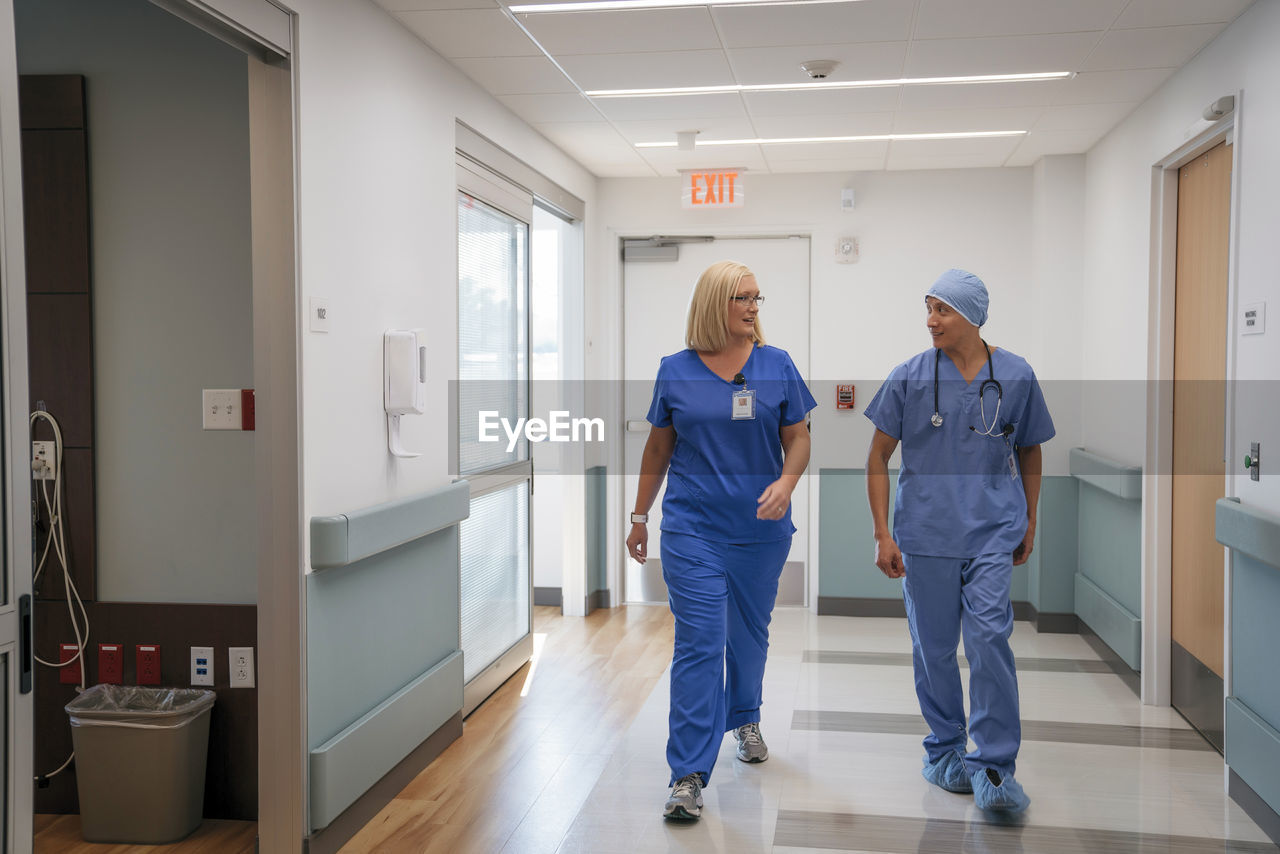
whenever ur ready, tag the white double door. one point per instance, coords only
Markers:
(655, 304)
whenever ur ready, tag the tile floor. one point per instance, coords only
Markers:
(1105, 773)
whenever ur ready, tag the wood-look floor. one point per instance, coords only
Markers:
(523, 766)
(60, 834)
(529, 755)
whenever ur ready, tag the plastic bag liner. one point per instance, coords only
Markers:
(137, 707)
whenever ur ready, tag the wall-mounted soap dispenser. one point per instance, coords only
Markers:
(404, 384)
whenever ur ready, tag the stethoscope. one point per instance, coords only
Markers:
(987, 430)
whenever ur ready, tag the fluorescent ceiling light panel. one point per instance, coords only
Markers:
(826, 84)
(617, 5)
(881, 137)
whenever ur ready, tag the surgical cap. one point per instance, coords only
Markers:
(964, 292)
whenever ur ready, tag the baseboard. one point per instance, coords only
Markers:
(351, 820)
(857, 606)
(598, 599)
(1054, 624)
(1197, 694)
(865, 606)
(552, 596)
(1112, 659)
(1254, 806)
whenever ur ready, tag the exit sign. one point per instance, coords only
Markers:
(721, 188)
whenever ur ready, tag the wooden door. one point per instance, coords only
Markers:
(1199, 409)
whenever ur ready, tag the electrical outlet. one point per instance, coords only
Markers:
(201, 665)
(148, 658)
(221, 409)
(111, 663)
(44, 461)
(69, 675)
(241, 658)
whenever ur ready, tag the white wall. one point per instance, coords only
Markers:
(172, 298)
(1118, 233)
(377, 111)
(867, 316)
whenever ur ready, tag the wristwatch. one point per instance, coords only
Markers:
(640, 518)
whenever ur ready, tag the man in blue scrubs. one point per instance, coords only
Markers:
(971, 419)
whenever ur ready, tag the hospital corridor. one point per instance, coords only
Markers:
(551, 426)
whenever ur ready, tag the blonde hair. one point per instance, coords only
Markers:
(707, 329)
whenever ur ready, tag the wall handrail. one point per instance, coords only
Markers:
(1108, 475)
(1247, 529)
(349, 537)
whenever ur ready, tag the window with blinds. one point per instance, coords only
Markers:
(495, 576)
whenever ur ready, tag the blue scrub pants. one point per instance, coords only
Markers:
(722, 598)
(944, 595)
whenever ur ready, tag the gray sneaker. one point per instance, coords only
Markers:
(751, 746)
(685, 803)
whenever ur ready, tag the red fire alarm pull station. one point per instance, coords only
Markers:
(844, 396)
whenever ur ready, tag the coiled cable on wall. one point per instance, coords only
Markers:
(56, 541)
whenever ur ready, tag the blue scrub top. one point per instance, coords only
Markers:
(721, 465)
(958, 495)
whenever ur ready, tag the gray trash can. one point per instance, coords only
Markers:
(140, 761)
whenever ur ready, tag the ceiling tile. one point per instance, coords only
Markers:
(682, 107)
(838, 164)
(1003, 55)
(878, 61)
(765, 26)
(977, 96)
(1163, 13)
(948, 19)
(964, 121)
(516, 75)
(862, 151)
(429, 5)
(649, 70)
(878, 100)
(1158, 47)
(469, 32)
(540, 109)
(1083, 116)
(669, 161)
(565, 33)
(665, 130)
(1101, 87)
(950, 153)
(1035, 145)
(824, 124)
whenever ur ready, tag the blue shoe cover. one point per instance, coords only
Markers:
(1005, 797)
(948, 772)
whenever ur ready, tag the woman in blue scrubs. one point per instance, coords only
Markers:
(971, 419)
(728, 431)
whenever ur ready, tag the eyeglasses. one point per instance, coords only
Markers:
(741, 300)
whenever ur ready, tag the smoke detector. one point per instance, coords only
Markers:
(818, 69)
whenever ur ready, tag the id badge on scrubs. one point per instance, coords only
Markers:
(1013, 466)
(744, 405)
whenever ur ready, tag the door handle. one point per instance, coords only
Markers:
(637, 426)
(25, 652)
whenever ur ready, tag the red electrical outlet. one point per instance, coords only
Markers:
(111, 663)
(148, 664)
(69, 675)
(247, 409)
